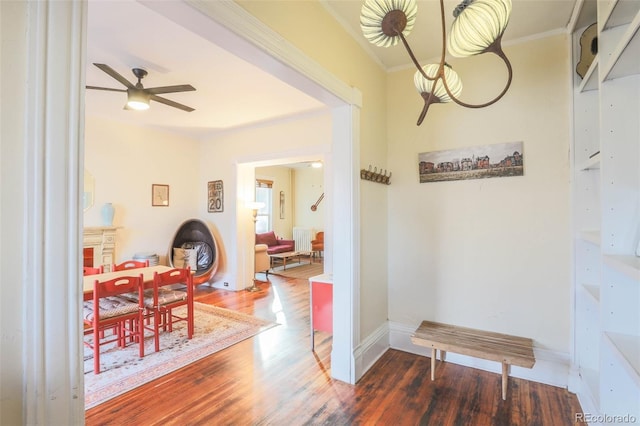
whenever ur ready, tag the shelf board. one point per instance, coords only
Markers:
(591, 236)
(585, 13)
(620, 12)
(628, 265)
(624, 58)
(628, 347)
(593, 291)
(592, 163)
(590, 79)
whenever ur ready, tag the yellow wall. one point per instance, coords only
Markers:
(308, 26)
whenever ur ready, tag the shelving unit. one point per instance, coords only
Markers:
(606, 194)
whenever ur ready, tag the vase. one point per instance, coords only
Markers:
(107, 214)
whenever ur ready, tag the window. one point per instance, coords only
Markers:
(264, 194)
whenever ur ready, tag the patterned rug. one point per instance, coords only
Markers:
(122, 369)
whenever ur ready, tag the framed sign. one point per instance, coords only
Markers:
(159, 195)
(215, 196)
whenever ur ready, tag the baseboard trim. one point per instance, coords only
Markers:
(551, 368)
(370, 350)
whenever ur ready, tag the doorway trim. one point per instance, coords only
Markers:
(233, 28)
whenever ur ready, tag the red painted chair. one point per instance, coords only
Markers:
(130, 264)
(106, 310)
(165, 300)
(88, 270)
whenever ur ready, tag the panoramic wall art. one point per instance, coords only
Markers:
(478, 162)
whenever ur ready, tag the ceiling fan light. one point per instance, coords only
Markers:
(477, 25)
(138, 100)
(425, 86)
(382, 20)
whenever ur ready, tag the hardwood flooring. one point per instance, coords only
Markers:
(275, 379)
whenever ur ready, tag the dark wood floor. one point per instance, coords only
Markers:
(274, 379)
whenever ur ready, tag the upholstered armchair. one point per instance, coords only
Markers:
(317, 245)
(262, 260)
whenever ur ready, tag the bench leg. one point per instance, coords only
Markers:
(433, 363)
(443, 355)
(505, 380)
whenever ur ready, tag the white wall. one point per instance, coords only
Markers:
(301, 139)
(125, 161)
(494, 253)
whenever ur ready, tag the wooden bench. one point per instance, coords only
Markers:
(503, 348)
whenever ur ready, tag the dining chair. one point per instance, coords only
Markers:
(166, 299)
(88, 270)
(130, 264)
(107, 310)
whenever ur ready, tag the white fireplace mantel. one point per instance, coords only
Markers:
(102, 239)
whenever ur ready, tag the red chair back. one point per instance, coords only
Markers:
(130, 264)
(88, 270)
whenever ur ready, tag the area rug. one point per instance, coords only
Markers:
(122, 369)
(302, 270)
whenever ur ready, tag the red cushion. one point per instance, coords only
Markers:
(268, 238)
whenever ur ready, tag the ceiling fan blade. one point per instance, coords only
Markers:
(106, 88)
(170, 89)
(113, 73)
(171, 103)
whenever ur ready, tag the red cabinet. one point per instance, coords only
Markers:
(321, 304)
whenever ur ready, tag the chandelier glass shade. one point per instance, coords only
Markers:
(477, 28)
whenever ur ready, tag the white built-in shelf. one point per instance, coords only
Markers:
(592, 379)
(593, 291)
(628, 265)
(592, 163)
(591, 236)
(590, 79)
(624, 61)
(619, 12)
(628, 349)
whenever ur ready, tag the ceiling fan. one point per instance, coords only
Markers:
(137, 96)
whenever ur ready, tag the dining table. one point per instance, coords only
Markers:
(147, 277)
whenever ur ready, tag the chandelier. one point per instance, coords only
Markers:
(477, 28)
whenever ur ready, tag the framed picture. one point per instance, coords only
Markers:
(478, 162)
(215, 196)
(159, 195)
(281, 204)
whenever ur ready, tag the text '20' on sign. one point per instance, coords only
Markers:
(215, 196)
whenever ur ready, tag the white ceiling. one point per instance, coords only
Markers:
(230, 92)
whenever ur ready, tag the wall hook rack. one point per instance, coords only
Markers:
(375, 176)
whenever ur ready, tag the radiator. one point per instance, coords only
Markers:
(303, 237)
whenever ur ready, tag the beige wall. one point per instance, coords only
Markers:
(309, 186)
(125, 161)
(13, 87)
(489, 253)
(282, 181)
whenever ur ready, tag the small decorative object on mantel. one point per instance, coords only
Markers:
(107, 214)
(375, 176)
(588, 49)
(215, 196)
